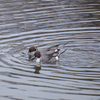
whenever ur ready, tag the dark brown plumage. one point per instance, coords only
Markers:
(31, 49)
(37, 54)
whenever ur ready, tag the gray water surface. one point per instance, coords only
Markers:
(74, 24)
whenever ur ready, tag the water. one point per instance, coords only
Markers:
(43, 23)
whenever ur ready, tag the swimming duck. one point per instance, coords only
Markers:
(44, 51)
(31, 51)
(46, 58)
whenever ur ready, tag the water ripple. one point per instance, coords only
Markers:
(74, 25)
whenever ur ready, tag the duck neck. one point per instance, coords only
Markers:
(57, 58)
(38, 61)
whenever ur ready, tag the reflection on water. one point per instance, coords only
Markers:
(37, 69)
(43, 23)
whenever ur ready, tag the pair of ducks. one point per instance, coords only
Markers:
(50, 54)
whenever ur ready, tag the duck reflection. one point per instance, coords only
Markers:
(37, 69)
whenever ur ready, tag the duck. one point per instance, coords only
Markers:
(44, 51)
(31, 51)
(46, 58)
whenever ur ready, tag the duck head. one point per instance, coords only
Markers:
(31, 52)
(37, 55)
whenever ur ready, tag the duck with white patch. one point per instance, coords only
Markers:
(47, 58)
(50, 50)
